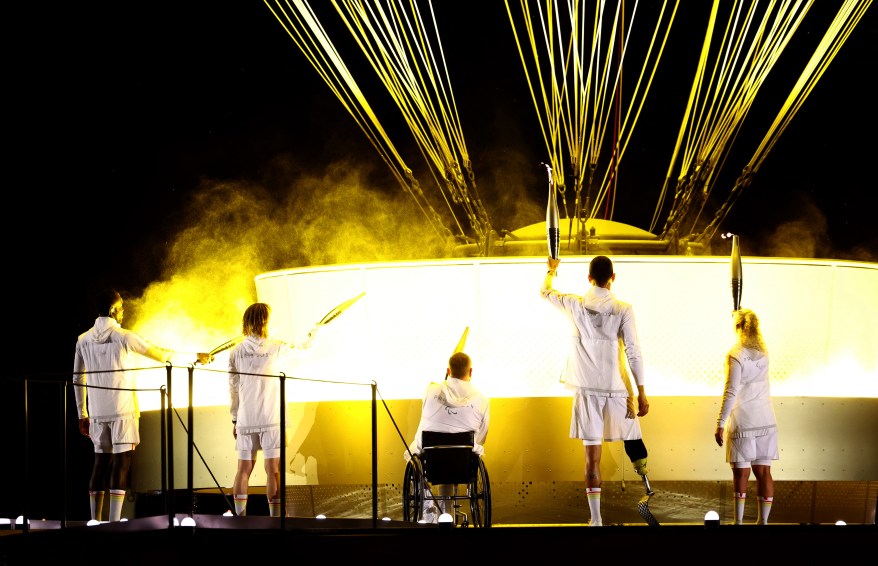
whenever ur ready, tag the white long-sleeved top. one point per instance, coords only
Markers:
(746, 408)
(453, 405)
(107, 346)
(598, 322)
(255, 399)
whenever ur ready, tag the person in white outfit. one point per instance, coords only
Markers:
(454, 405)
(604, 336)
(255, 366)
(746, 423)
(108, 411)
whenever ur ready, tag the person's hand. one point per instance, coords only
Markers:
(718, 435)
(642, 405)
(629, 413)
(203, 358)
(83, 426)
(235, 430)
(553, 263)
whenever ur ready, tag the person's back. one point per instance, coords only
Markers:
(603, 331)
(454, 405)
(746, 423)
(107, 346)
(752, 410)
(106, 400)
(599, 320)
(257, 396)
(255, 368)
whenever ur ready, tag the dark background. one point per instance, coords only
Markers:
(121, 112)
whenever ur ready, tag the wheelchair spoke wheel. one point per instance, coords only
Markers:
(413, 491)
(480, 497)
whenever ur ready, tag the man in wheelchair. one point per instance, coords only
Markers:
(453, 406)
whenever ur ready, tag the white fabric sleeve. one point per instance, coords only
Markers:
(730, 392)
(79, 392)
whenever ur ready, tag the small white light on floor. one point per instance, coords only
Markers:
(5, 522)
(176, 522)
(446, 521)
(321, 516)
(187, 522)
(124, 520)
(228, 514)
(385, 518)
(711, 519)
(840, 522)
(422, 521)
(92, 522)
(20, 520)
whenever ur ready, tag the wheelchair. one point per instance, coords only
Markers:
(447, 459)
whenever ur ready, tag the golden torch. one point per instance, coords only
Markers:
(737, 273)
(553, 222)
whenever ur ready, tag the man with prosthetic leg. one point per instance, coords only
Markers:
(604, 348)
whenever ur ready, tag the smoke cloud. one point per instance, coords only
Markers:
(236, 230)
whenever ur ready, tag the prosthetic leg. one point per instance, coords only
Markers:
(636, 451)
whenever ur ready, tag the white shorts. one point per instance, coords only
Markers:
(114, 437)
(758, 450)
(249, 444)
(602, 419)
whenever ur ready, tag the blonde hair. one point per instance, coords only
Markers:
(747, 324)
(255, 320)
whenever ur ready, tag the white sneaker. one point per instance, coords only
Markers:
(431, 514)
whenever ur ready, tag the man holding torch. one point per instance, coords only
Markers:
(603, 328)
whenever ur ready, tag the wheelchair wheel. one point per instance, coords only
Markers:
(480, 497)
(413, 491)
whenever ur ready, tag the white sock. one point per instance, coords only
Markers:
(117, 498)
(96, 502)
(594, 505)
(241, 504)
(764, 510)
(740, 501)
(274, 507)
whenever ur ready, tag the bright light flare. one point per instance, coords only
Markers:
(402, 331)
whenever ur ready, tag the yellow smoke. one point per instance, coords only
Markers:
(234, 230)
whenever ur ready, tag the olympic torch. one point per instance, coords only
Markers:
(460, 345)
(553, 222)
(329, 317)
(737, 273)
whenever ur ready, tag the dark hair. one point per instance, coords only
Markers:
(459, 364)
(105, 299)
(255, 320)
(601, 269)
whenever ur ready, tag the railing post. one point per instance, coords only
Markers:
(374, 456)
(163, 455)
(190, 493)
(25, 525)
(64, 476)
(170, 447)
(282, 488)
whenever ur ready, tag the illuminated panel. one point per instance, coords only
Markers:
(819, 319)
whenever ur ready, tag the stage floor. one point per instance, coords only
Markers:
(153, 541)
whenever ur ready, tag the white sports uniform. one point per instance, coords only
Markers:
(453, 405)
(255, 400)
(602, 327)
(114, 413)
(747, 413)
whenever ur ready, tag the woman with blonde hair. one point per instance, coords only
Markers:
(746, 423)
